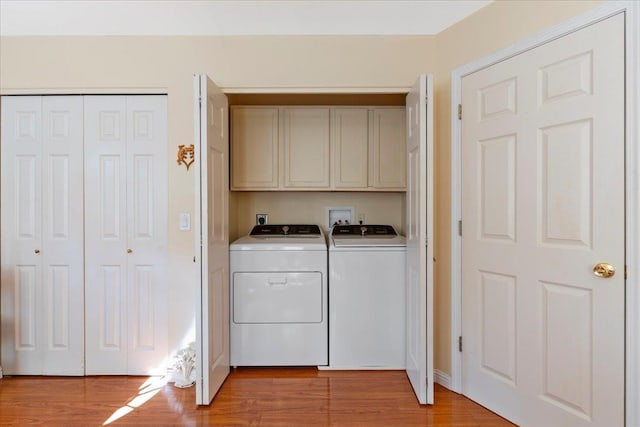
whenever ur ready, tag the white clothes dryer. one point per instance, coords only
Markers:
(279, 297)
(366, 297)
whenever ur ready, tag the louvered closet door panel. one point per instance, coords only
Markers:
(106, 295)
(22, 349)
(147, 233)
(62, 253)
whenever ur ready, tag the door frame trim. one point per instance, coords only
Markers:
(632, 185)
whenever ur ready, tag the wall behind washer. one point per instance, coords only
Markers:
(310, 207)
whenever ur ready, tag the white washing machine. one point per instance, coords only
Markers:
(279, 297)
(366, 297)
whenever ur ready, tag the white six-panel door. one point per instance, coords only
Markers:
(543, 202)
(42, 242)
(419, 268)
(126, 234)
(211, 135)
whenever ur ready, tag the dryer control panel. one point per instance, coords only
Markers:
(285, 230)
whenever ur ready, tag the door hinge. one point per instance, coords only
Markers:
(626, 271)
(460, 228)
(459, 111)
(460, 343)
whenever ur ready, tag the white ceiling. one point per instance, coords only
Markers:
(239, 17)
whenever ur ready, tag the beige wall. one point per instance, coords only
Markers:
(166, 64)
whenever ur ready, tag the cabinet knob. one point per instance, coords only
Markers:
(37, 251)
(129, 251)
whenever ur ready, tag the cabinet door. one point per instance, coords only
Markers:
(305, 141)
(349, 148)
(388, 149)
(254, 148)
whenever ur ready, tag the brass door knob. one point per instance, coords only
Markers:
(37, 251)
(604, 269)
(129, 251)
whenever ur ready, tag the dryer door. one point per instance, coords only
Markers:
(277, 297)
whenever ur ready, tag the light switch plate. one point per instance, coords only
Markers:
(185, 222)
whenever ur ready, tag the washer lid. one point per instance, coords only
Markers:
(369, 242)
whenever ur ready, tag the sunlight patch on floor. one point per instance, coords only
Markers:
(148, 389)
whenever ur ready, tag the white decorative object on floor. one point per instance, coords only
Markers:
(183, 366)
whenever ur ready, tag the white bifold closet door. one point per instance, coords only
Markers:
(125, 158)
(42, 243)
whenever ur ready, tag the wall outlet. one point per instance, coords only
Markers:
(262, 219)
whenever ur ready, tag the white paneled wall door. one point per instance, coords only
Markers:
(543, 150)
(84, 234)
(42, 224)
(126, 234)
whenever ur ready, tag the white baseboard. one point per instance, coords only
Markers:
(442, 378)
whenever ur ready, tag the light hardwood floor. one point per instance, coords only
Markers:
(249, 397)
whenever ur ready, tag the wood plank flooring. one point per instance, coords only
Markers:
(249, 397)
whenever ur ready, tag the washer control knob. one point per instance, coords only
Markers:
(363, 230)
(285, 230)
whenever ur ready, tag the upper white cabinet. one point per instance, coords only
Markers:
(388, 157)
(254, 152)
(350, 148)
(305, 143)
(318, 148)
